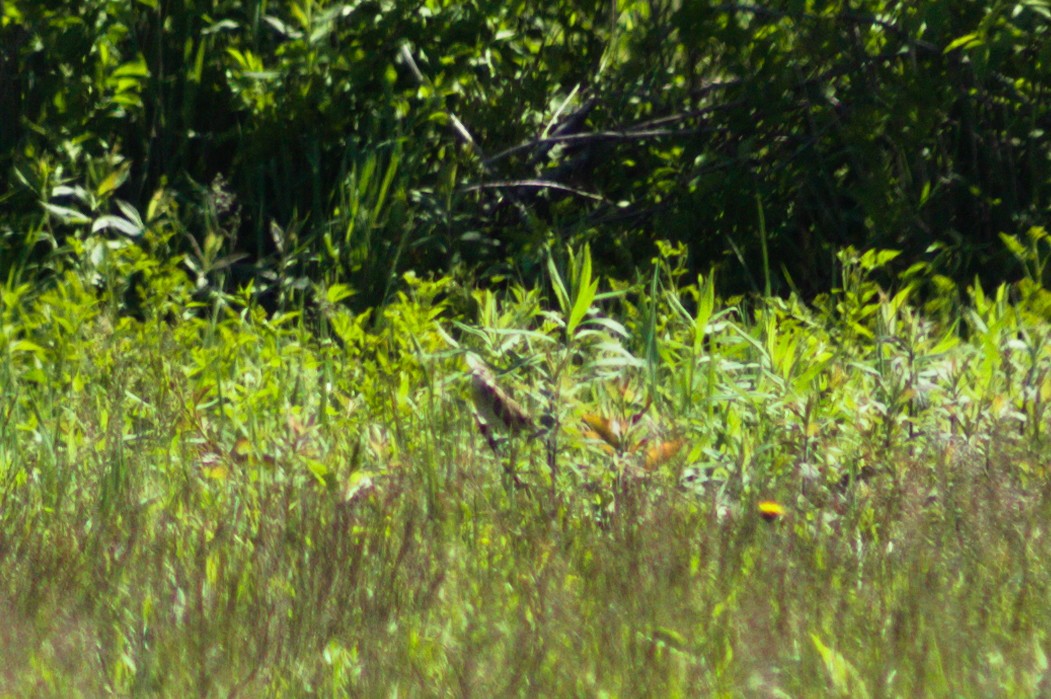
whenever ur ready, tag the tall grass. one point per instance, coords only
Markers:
(235, 504)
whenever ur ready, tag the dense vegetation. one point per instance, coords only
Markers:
(767, 287)
(350, 142)
(225, 503)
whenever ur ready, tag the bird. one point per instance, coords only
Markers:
(495, 410)
(494, 407)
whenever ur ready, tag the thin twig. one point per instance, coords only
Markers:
(536, 184)
(458, 126)
(597, 136)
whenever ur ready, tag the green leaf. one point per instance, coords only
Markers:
(561, 295)
(1016, 247)
(584, 290)
(844, 677)
(118, 224)
(67, 215)
(966, 41)
(27, 346)
(338, 292)
(113, 180)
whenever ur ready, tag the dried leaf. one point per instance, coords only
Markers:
(661, 452)
(609, 431)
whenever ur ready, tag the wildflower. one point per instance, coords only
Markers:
(770, 510)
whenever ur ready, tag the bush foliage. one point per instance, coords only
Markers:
(351, 141)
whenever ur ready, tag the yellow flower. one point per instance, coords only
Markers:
(770, 510)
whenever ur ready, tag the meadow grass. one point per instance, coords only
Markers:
(230, 503)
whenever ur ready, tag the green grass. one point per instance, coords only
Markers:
(225, 503)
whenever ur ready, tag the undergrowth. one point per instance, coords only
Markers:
(211, 500)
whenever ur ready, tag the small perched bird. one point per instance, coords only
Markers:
(493, 406)
(495, 410)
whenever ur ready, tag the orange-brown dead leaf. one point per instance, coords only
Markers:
(661, 452)
(609, 431)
